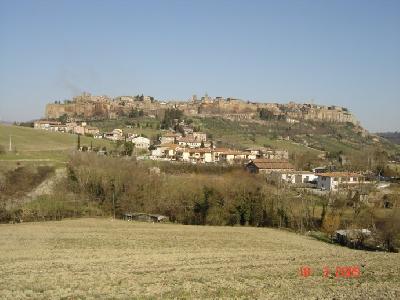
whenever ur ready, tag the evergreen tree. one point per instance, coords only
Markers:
(78, 147)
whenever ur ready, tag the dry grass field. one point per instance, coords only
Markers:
(105, 259)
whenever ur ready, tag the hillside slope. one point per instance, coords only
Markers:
(101, 258)
(307, 141)
(33, 144)
(394, 137)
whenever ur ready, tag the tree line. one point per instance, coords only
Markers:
(202, 195)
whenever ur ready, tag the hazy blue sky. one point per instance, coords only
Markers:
(334, 52)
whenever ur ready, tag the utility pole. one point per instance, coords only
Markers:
(10, 148)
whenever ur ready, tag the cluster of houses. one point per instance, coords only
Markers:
(319, 178)
(83, 128)
(194, 147)
(70, 127)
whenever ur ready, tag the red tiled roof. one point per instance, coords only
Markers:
(171, 146)
(222, 149)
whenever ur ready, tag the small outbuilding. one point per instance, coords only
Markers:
(352, 237)
(143, 217)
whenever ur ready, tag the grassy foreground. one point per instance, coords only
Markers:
(105, 259)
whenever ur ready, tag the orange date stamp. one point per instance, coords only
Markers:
(338, 272)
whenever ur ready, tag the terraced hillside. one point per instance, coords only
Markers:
(101, 258)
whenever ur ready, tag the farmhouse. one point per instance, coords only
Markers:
(141, 142)
(165, 151)
(268, 153)
(202, 155)
(45, 124)
(91, 130)
(253, 153)
(115, 135)
(170, 138)
(269, 165)
(232, 156)
(297, 177)
(334, 180)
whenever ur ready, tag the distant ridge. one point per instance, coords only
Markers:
(394, 137)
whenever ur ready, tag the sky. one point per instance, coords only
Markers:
(343, 53)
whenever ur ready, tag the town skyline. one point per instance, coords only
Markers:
(340, 53)
(183, 100)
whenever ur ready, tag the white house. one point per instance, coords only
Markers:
(91, 130)
(203, 155)
(297, 177)
(141, 142)
(165, 151)
(170, 138)
(333, 181)
(45, 124)
(115, 135)
(267, 153)
(231, 156)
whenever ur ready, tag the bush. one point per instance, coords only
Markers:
(188, 194)
(24, 179)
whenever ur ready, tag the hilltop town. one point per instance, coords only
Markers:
(176, 138)
(100, 107)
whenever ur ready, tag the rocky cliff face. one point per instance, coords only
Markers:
(88, 106)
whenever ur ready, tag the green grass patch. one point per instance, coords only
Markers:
(34, 144)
